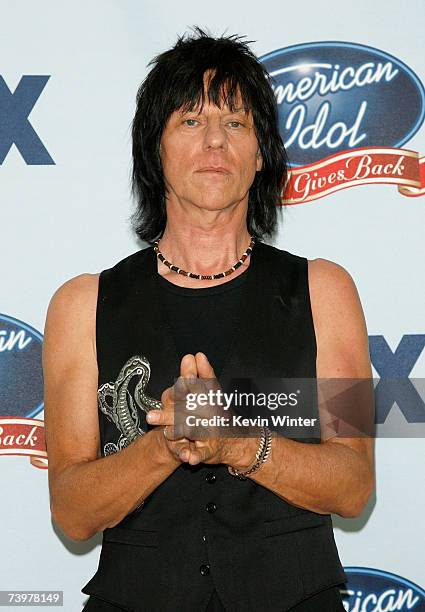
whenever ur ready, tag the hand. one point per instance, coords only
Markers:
(181, 440)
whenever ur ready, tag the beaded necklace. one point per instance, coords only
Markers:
(204, 276)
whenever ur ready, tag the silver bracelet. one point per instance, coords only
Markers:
(260, 457)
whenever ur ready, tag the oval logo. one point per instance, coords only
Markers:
(21, 374)
(334, 96)
(372, 590)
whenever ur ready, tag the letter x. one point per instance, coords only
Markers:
(395, 386)
(15, 127)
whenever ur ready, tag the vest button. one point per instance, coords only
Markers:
(210, 477)
(211, 507)
(204, 569)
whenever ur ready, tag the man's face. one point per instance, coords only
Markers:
(209, 158)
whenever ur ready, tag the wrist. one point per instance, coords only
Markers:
(261, 456)
(164, 454)
(239, 453)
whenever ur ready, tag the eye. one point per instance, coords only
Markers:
(190, 122)
(232, 124)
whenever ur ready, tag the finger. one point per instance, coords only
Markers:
(169, 400)
(179, 388)
(185, 453)
(191, 455)
(206, 371)
(188, 368)
(189, 371)
(185, 383)
(160, 417)
(196, 455)
(192, 366)
(188, 455)
(182, 450)
(204, 367)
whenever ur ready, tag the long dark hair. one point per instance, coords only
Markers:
(176, 81)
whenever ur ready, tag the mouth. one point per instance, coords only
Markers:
(214, 169)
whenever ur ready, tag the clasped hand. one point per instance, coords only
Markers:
(192, 443)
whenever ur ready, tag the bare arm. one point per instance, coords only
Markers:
(337, 475)
(88, 493)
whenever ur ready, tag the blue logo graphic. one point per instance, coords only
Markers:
(395, 386)
(15, 127)
(372, 590)
(335, 96)
(21, 374)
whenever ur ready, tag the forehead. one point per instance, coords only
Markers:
(222, 94)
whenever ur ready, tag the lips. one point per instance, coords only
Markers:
(219, 169)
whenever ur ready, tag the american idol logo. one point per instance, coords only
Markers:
(349, 103)
(372, 590)
(21, 390)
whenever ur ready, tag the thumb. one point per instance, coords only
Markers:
(205, 369)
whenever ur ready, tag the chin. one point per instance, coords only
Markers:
(213, 200)
(215, 203)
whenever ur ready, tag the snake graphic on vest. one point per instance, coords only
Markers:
(122, 412)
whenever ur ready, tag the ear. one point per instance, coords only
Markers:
(259, 161)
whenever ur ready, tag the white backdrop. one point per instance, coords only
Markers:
(59, 220)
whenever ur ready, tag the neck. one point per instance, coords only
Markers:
(203, 251)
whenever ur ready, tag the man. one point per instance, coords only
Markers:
(179, 531)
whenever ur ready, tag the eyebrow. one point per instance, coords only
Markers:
(240, 111)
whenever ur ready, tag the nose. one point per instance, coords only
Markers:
(215, 136)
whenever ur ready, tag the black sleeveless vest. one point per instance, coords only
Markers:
(203, 528)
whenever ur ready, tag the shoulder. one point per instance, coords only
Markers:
(71, 322)
(326, 276)
(338, 318)
(330, 285)
(83, 289)
(78, 295)
(115, 280)
(320, 271)
(333, 293)
(76, 291)
(74, 303)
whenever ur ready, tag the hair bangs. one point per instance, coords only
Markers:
(221, 89)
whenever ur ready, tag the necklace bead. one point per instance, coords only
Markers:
(203, 276)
